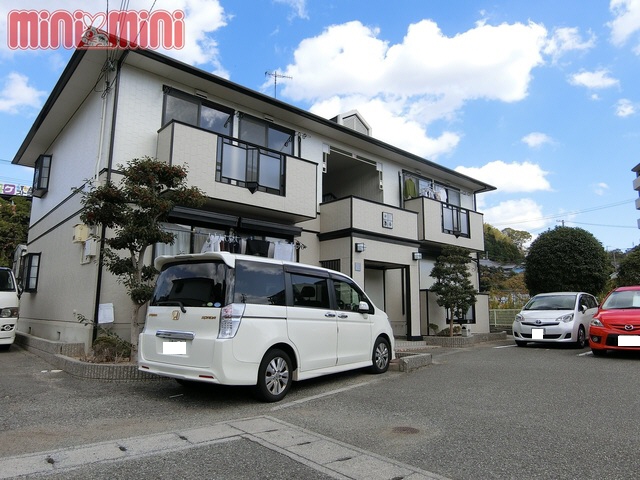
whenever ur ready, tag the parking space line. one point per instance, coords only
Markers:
(584, 354)
(505, 346)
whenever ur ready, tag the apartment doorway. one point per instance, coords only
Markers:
(388, 287)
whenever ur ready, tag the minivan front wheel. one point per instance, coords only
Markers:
(381, 356)
(274, 376)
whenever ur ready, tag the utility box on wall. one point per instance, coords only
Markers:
(80, 233)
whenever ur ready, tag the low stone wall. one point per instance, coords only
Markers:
(60, 355)
(460, 341)
(45, 348)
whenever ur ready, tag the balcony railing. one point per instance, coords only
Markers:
(246, 165)
(455, 220)
(443, 223)
(240, 176)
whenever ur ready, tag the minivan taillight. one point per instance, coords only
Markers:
(230, 318)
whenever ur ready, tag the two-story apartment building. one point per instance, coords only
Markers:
(280, 181)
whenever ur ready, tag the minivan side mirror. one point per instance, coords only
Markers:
(363, 307)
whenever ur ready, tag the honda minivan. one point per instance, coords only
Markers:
(234, 319)
(9, 308)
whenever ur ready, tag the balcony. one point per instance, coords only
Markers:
(240, 177)
(357, 214)
(446, 224)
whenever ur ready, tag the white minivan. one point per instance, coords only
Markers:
(245, 320)
(9, 308)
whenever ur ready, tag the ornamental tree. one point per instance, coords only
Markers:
(14, 226)
(566, 259)
(454, 290)
(629, 270)
(132, 211)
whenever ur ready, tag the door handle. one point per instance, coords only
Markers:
(330, 315)
(343, 315)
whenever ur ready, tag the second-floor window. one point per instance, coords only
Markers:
(266, 134)
(196, 111)
(415, 186)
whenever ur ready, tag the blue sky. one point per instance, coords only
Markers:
(540, 99)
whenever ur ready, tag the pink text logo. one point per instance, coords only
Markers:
(33, 29)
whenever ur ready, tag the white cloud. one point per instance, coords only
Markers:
(16, 94)
(298, 7)
(595, 80)
(522, 214)
(625, 108)
(536, 139)
(566, 40)
(510, 177)
(428, 76)
(626, 21)
(600, 188)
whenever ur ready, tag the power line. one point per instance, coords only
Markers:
(564, 214)
(600, 225)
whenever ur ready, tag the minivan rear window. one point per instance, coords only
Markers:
(201, 284)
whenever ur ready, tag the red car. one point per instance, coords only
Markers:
(616, 325)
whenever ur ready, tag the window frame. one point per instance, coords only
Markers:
(268, 127)
(199, 103)
(27, 276)
(40, 178)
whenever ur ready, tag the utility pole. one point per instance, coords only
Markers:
(275, 76)
(562, 221)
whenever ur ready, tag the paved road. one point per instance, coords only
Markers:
(490, 411)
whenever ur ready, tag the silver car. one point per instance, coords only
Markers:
(562, 317)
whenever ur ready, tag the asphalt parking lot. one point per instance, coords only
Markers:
(488, 411)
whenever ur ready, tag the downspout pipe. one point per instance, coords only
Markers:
(96, 309)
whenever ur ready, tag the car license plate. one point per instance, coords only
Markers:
(174, 348)
(537, 333)
(629, 340)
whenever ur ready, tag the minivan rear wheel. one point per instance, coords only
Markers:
(274, 376)
(381, 356)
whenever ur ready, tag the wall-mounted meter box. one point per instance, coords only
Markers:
(80, 233)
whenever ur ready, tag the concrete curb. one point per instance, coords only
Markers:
(60, 354)
(409, 356)
(409, 361)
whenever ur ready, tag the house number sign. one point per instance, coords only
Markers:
(387, 220)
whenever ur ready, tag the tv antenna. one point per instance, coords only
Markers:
(275, 76)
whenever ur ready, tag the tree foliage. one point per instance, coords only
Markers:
(518, 237)
(501, 247)
(454, 290)
(629, 269)
(133, 210)
(14, 226)
(566, 259)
